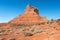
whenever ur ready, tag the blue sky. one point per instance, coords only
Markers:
(9, 9)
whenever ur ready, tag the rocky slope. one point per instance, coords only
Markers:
(30, 26)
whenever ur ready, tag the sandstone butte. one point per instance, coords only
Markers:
(30, 26)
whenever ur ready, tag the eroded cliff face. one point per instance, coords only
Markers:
(30, 26)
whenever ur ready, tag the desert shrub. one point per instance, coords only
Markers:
(47, 22)
(28, 34)
(12, 39)
(58, 21)
(32, 30)
(2, 34)
(42, 23)
(2, 31)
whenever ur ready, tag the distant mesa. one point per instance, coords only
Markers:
(31, 15)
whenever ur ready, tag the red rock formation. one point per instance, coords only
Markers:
(30, 26)
(30, 15)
